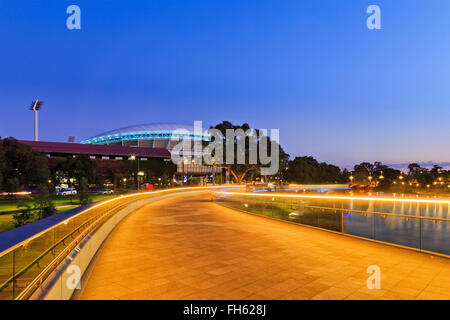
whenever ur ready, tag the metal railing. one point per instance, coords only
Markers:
(419, 224)
(25, 266)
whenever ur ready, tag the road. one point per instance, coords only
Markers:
(187, 247)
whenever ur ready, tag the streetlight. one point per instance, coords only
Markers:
(133, 157)
(140, 174)
(36, 106)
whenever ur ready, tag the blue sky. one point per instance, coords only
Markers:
(335, 89)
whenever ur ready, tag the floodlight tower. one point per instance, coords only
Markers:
(36, 106)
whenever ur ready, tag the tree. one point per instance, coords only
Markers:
(362, 172)
(12, 185)
(309, 170)
(241, 146)
(156, 171)
(83, 189)
(43, 202)
(389, 175)
(375, 170)
(414, 170)
(21, 166)
(436, 171)
(75, 168)
(22, 218)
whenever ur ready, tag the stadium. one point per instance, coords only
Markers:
(147, 136)
(157, 135)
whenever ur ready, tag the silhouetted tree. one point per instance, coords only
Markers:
(21, 166)
(83, 189)
(241, 171)
(309, 170)
(43, 202)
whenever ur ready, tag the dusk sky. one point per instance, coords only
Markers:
(336, 90)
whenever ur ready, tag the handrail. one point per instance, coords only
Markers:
(101, 203)
(343, 209)
(79, 233)
(370, 212)
(64, 253)
(332, 218)
(44, 253)
(327, 197)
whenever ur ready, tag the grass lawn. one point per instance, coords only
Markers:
(11, 204)
(6, 220)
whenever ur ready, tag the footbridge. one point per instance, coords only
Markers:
(228, 243)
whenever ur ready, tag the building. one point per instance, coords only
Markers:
(156, 136)
(108, 158)
(105, 152)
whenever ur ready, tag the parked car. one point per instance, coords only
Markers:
(106, 191)
(100, 190)
(95, 189)
(67, 192)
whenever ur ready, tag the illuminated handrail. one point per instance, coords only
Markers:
(368, 212)
(86, 226)
(27, 292)
(101, 203)
(44, 253)
(416, 234)
(328, 197)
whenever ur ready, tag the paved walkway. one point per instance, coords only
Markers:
(187, 247)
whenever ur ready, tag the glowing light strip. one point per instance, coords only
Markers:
(20, 193)
(275, 195)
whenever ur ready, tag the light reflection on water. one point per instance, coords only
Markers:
(425, 234)
(431, 235)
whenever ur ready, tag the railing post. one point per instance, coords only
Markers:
(420, 234)
(374, 226)
(14, 274)
(272, 207)
(318, 218)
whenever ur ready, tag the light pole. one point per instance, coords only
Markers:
(36, 106)
(140, 174)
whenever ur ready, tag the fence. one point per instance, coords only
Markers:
(421, 224)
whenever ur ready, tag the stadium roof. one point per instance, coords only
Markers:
(144, 131)
(149, 127)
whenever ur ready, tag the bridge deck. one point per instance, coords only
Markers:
(187, 247)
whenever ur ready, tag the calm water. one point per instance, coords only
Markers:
(430, 235)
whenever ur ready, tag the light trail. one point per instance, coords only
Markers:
(275, 195)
